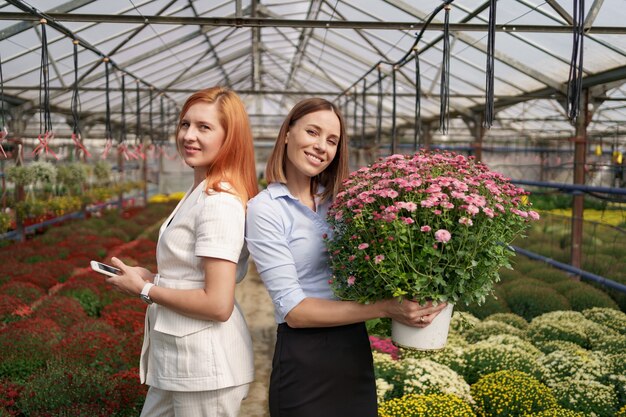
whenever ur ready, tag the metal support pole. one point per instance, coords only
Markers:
(578, 201)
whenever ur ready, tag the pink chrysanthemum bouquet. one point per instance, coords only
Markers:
(428, 226)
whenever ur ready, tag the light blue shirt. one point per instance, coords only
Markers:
(285, 240)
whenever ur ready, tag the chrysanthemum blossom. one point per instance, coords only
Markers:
(404, 210)
(442, 235)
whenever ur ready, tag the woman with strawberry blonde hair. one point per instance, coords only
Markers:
(197, 351)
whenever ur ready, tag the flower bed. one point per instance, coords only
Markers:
(507, 375)
(70, 344)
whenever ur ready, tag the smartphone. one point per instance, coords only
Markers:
(105, 269)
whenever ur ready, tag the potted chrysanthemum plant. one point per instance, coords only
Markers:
(426, 227)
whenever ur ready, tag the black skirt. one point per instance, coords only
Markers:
(323, 372)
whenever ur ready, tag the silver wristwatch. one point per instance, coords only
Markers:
(145, 293)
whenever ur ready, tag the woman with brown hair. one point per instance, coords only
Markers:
(197, 351)
(322, 362)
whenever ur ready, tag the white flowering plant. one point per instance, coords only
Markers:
(428, 227)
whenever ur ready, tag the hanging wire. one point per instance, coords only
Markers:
(489, 71)
(108, 129)
(138, 132)
(363, 99)
(575, 80)
(75, 108)
(3, 129)
(122, 146)
(75, 105)
(150, 116)
(2, 119)
(354, 116)
(162, 124)
(393, 111)
(139, 150)
(418, 109)
(379, 108)
(444, 116)
(122, 138)
(45, 119)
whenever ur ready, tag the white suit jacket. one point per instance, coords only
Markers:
(181, 353)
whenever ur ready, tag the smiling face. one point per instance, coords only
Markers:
(312, 144)
(200, 136)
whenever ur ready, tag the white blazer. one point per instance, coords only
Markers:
(181, 353)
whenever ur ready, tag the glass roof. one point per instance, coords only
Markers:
(275, 52)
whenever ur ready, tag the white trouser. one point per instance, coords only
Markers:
(223, 402)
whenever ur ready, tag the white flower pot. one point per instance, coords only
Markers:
(431, 337)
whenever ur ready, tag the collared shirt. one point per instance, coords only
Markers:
(285, 240)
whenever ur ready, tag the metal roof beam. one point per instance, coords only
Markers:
(561, 11)
(27, 24)
(235, 55)
(211, 48)
(593, 13)
(588, 28)
(295, 23)
(303, 40)
(474, 43)
(607, 77)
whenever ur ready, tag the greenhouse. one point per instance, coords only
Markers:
(509, 117)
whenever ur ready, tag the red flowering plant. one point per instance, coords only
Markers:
(428, 227)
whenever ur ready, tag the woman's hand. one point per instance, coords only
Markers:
(410, 312)
(145, 274)
(133, 278)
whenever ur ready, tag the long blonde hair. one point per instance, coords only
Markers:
(234, 162)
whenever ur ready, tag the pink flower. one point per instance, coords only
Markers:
(442, 235)
(408, 220)
(351, 258)
(389, 217)
(533, 215)
(379, 258)
(472, 209)
(425, 229)
(466, 221)
(410, 206)
(447, 205)
(351, 280)
(363, 246)
(488, 212)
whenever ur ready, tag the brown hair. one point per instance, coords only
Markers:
(234, 162)
(332, 177)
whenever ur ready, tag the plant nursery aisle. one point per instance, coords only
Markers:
(259, 312)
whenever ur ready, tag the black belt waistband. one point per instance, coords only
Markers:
(284, 328)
